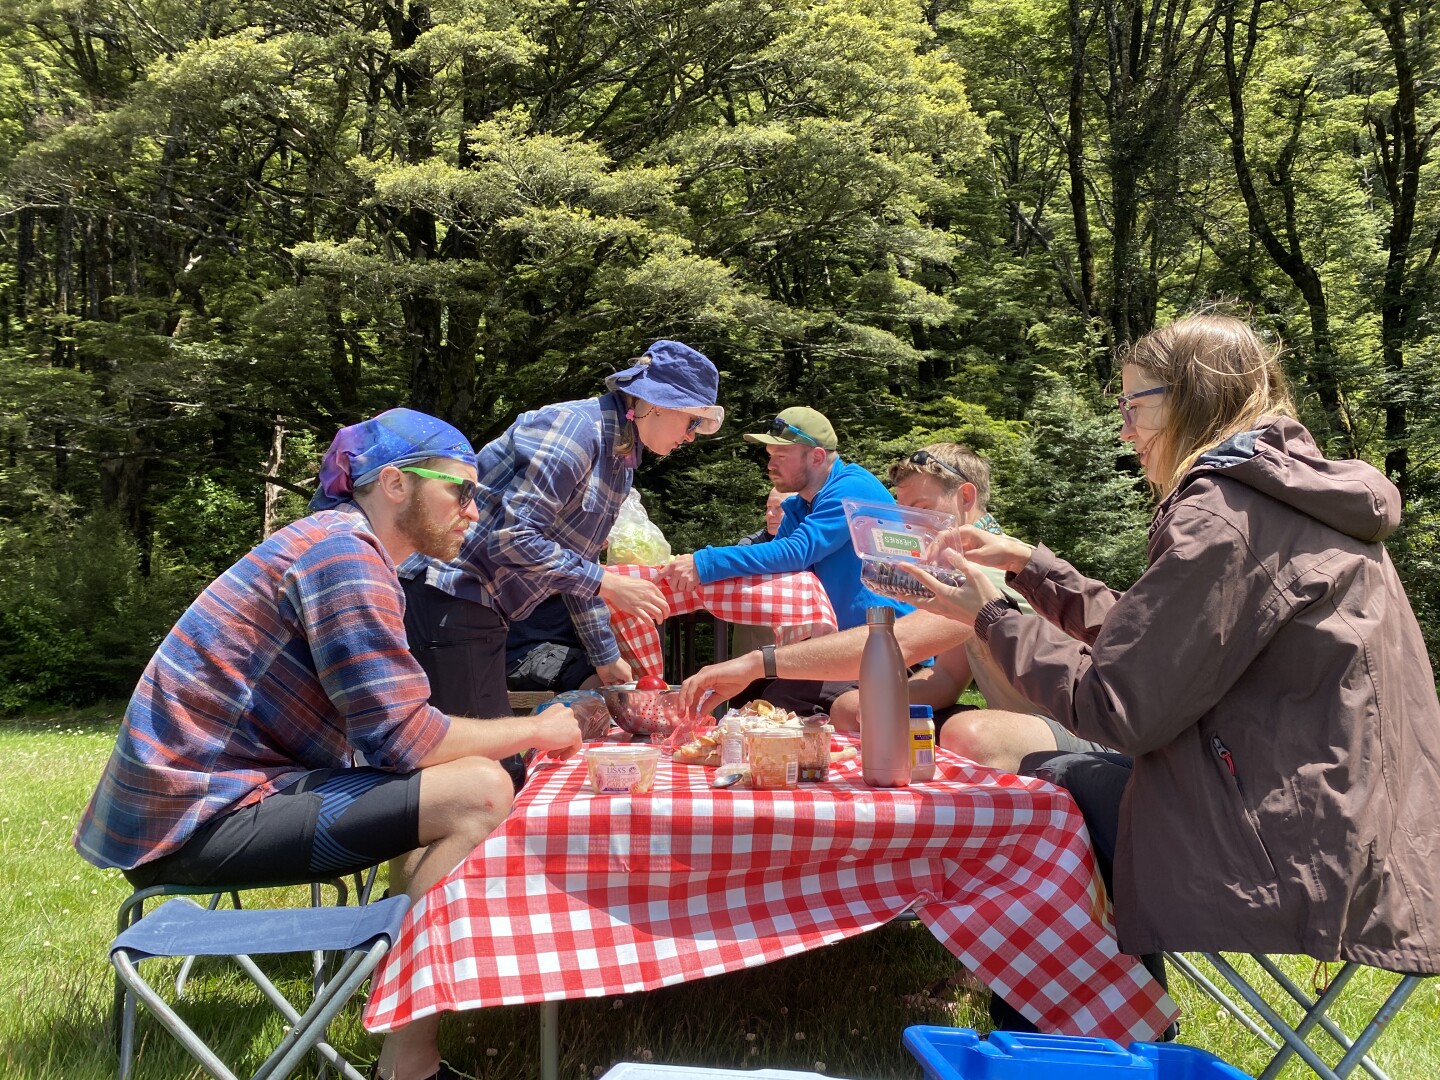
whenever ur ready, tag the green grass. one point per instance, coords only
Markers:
(838, 1010)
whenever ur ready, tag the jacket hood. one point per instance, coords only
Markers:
(1281, 460)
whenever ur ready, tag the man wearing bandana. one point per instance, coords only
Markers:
(233, 764)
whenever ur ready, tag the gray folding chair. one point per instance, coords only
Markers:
(1293, 1039)
(132, 909)
(180, 927)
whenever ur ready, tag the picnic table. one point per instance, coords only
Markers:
(580, 895)
(794, 605)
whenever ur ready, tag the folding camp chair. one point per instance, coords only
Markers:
(180, 927)
(1315, 1013)
(133, 908)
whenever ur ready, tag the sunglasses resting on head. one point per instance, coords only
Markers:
(924, 457)
(780, 429)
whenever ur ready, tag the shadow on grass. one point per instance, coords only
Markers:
(103, 717)
(225, 1009)
(838, 1010)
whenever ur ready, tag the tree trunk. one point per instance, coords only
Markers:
(270, 514)
(1403, 152)
(1321, 373)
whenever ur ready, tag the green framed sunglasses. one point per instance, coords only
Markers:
(467, 487)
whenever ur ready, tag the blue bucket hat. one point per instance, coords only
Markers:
(395, 437)
(674, 376)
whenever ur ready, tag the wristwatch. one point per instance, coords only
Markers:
(767, 657)
(993, 610)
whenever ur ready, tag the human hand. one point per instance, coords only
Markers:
(959, 602)
(725, 679)
(983, 547)
(614, 673)
(556, 731)
(635, 596)
(680, 574)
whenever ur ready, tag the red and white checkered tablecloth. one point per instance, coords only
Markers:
(580, 895)
(794, 605)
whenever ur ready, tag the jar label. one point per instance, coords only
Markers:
(892, 542)
(616, 779)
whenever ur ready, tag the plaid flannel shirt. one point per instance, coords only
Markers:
(549, 491)
(288, 662)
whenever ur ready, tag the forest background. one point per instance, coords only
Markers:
(228, 228)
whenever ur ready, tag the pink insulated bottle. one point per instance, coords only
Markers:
(884, 704)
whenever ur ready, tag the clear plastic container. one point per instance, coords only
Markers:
(775, 758)
(815, 750)
(621, 770)
(889, 536)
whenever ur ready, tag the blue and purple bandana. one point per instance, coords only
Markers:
(397, 437)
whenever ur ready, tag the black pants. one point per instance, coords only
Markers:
(1096, 782)
(461, 646)
(804, 697)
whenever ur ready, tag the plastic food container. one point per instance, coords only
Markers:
(887, 536)
(960, 1054)
(815, 751)
(775, 758)
(621, 770)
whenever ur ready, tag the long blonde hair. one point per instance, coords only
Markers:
(1222, 379)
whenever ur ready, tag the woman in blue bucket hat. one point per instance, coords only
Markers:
(549, 490)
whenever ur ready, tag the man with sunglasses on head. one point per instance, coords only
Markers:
(233, 765)
(952, 479)
(814, 535)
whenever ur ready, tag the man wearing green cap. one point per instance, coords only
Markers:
(814, 535)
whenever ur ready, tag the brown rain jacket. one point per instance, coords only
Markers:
(1269, 677)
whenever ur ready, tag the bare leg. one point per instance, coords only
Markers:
(461, 803)
(996, 739)
(845, 711)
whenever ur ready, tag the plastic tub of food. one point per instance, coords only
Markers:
(815, 750)
(621, 770)
(887, 537)
(775, 758)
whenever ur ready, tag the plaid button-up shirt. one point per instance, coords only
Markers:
(549, 491)
(288, 662)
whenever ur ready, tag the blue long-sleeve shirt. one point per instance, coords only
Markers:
(813, 536)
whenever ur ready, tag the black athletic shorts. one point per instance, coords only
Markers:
(329, 823)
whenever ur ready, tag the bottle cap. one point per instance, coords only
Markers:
(922, 712)
(880, 615)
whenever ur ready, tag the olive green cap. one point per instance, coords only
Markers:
(800, 418)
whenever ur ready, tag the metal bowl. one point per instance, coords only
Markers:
(643, 712)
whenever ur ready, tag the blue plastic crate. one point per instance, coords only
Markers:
(961, 1054)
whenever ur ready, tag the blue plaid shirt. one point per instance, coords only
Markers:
(549, 491)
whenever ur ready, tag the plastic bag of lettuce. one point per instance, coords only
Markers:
(634, 538)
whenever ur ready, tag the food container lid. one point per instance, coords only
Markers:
(778, 733)
(922, 712)
(890, 530)
(621, 753)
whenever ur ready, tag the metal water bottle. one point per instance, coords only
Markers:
(884, 704)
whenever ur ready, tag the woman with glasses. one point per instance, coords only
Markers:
(548, 492)
(1265, 678)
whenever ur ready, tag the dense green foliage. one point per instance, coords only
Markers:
(227, 229)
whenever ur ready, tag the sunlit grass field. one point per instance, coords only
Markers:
(838, 1011)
